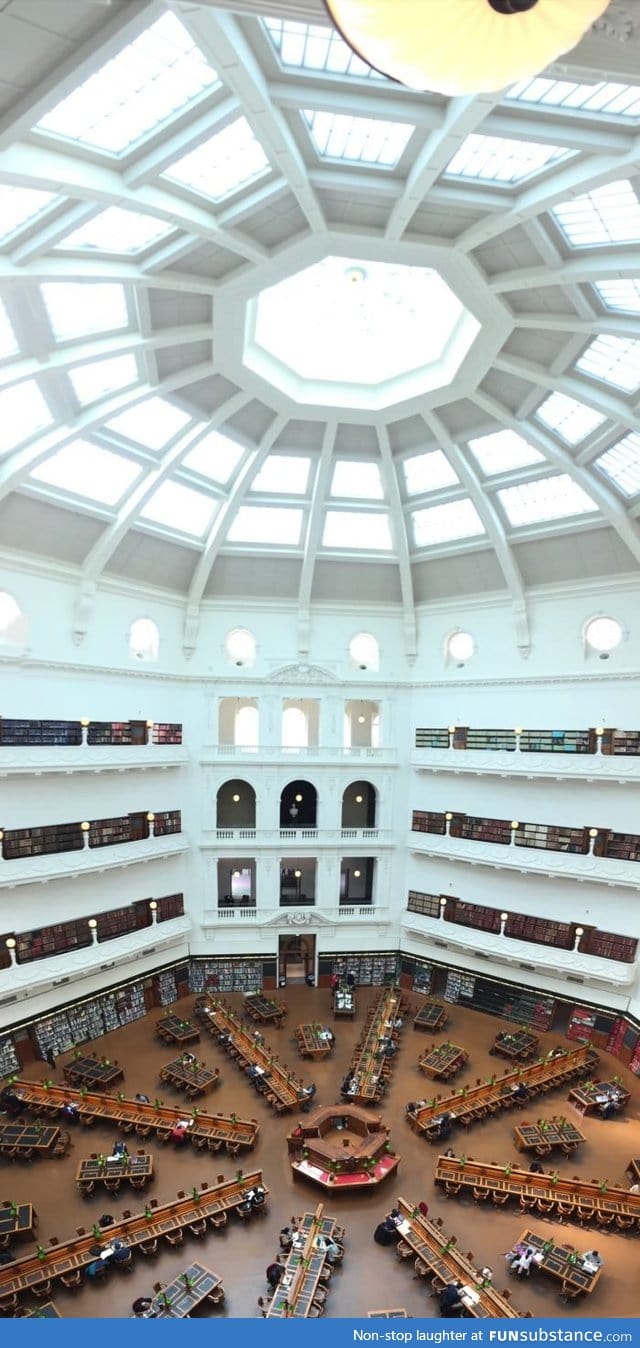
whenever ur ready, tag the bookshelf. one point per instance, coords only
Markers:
(9, 1061)
(540, 931)
(165, 987)
(167, 732)
(501, 999)
(622, 846)
(558, 742)
(130, 1004)
(15, 732)
(552, 838)
(371, 970)
(488, 740)
(472, 915)
(607, 945)
(477, 829)
(426, 904)
(422, 977)
(622, 742)
(44, 942)
(169, 906)
(55, 1030)
(35, 842)
(117, 732)
(425, 821)
(123, 828)
(117, 922)
(168, 821)
(226, 975)
(432, 739)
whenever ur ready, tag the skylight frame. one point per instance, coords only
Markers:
(339, 60)
(503, 451)
(226, 444)
(619, 295)
(494, 159)
(449, 522)
(620, 464)
(278, 518)
(606, 216)
(375, 141)
(290, 474)
(612, 360)
(69, 481)
(527, 504)
(571, 420)
(63, 300)
(235, 141)
(343, 531)
(22, 218)
(110, 221)
(114, 99)
(604, 97)
(344, 480)
(89, 388)
(437, 473)
(157, 414)
(17, 403)
(9, 345)
(171, 495)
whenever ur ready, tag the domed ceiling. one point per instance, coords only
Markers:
(271, 325)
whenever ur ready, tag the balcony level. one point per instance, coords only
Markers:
(323, 916)
(500, 763)
(529, 861)
(330, 754)
(303, 838)
(40, 760)
(68, 865)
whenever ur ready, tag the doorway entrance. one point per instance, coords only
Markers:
(296, 959)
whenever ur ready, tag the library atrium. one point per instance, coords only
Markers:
(320, 663)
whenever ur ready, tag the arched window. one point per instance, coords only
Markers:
(13, 624)
(245, 731)
(295, 728)
(240, 645)
(144, 639)
(364, 651)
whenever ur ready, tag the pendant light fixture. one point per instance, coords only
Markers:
(462, 46)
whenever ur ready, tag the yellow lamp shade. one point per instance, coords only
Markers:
(462, 46)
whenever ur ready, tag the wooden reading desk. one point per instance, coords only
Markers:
(155, 1221)
(188, 1290)
(313, 1042)
(94, 1073)
(551, 1194)
(594, 1095)
(264, 1009)
(518, 1045)
(112, 1171)
(17, 1219)
(280, 1088)
(305, 1262)
(545, 1135)
(18, 1139)
(174, 1030)
(443, 1258)
(47, 1311)
(476, 1102)
(212, 1130)
(431, 1016)
(561, 1262)
(193, 1078)
(368, 1069)
(443, 1061)
(398, 1314)
(344, 1003)
(342, 1147)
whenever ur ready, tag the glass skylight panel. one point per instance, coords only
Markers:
(8, 343)
(358, 140)
(23, 412)
(444, 523)
(501, 451)
(283, 474)
(117, 231)
(550, 498)
(616, 360)
(152, 423)
(180, 508)
(495, 159)
(622, 296)
(20, 206)
(571, 420)
(158, 74)
(350, 529)
(214, 457)
(609, 214)
(311, 46)
(87, 470)
(428, 472)
(361, 480)
(99, 377)
(225, 163)
(621, 464)
(79, 308)
(620, 100)
(266, 524)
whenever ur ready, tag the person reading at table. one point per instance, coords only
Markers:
(536, 1168)
(592, 1261)
(179, 1133)
(450, 1303)
(144, 1099)
(273, 1275)
(522, 1265)
(520, 1091)
(188, 1059)
(443, 1129)
(330, 1249)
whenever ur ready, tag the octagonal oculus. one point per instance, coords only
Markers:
(352, 333)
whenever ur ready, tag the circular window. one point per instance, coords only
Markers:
(461, 646)
(603, 634)
(364, 651)
(240, 645)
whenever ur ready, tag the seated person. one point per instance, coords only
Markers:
(10, 1101)
(70, 1111)
(258, 1196)
(607, 1108)
(179, 1133)
(273, 1275)
(306, 1094)
(450, 1303)
(520, 1091)
(513, 1255)
(444, 1127)
(346, 1084)
(120, 1253)
(140, 1307)
(144, 1099)
(593, 1258)
(522, 1265)
(414, 1106)
(286, 1238)
(386, 1233)
(105, 1220)
(536, 1168)
(331, 1250)
(258, 1038)
(485, 1275)
(188, 1059)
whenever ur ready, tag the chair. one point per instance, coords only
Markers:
(159, 1286)
(569, 1293)
(148, 1247)
(604, 1218)
(174, 1237)
(43, 1290)
(9, 1304)
(421, 1269)
(403, 1251)
(125, 1262)
(80, 1231)
(263, 1307)
(481, 1195)
(72, 1279)
(216, 1296)
(198, 1228)
(218, 1220)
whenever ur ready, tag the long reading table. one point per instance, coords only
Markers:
(561, 1262)
(173, 1030)
(595, 1095)
(188, 1290)
(442, 1258)
(281, 1088)
(112, 1171)
(17, 1219)
(264, 1009)
(545, 1135)
(24, 1139)
(443, 1061)
(306, 1259)
(152, 1223)
(314, 1041)
(369, 1066)
(94, 1073)
(431, 1016)
(518, 1045)
(192, 1077)
(212, 1130)
(551, 1194)
(475, 1102)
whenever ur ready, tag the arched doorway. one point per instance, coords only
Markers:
(298, 805)
(236, 805)
(359, 806)
(296, 959)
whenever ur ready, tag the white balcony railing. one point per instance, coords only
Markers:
(499, 763)
(317, 915)
(28, 980)
(302, 838)
(328, 753)
(528, 860)
(505, 950)
(37, 760)
(67, 865)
